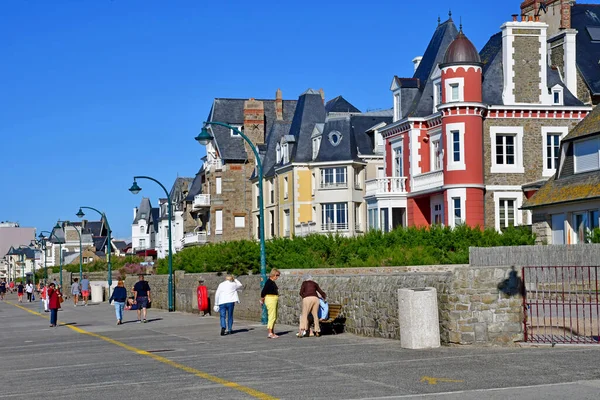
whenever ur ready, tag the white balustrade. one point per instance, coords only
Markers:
(386, 185)
(428, 180)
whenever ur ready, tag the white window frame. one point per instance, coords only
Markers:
(335, 184)
(518, 197)
(557, 90)
(218, 222)
(285, 187)
(398, 145)
(436, 138)
(516, 131)
(575, 157)
(336, 207)
(452, 165)
(437, 94)
(239, 221)
(449, 83)
(232, 133)
(456, 194)
(142, 229)
(218, 185)
(286, 222)
(313, 183)
(278, 152)
(551, 130)
(397, 106)
(316, 144)
(285, 153)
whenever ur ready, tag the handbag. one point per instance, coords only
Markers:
(216, 308)
(33, 297)
(60, 299)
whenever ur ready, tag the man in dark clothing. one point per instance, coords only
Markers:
(142, 296)
(2, 289)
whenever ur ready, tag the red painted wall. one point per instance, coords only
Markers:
(475, 215)
(473, 151)
(472, 82)
(418, 211)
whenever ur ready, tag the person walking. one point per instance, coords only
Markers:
(119, 296)
(85, 289)
(310, 291)
(75, 291)
(20, 290)
(2, 288)
(269, 296)
(142, 296)
(225, 298)
(44, 296)
(54, 300)
(11, 286)
(29, 291)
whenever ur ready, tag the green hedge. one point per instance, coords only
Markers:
(403, 246)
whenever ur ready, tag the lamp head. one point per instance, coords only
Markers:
(80, 213)
(204, 137)
(57, 226)
(41, 236)
(135, 189)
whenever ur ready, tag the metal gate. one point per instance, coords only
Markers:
(561, 305)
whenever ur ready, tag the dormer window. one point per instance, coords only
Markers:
(232, 132)
(285, 153)
(587, 155)
(437, 94)
(316, 143)
(397, 105)
(278, 153)
(454, 89)
(335, 138)
(557, 95)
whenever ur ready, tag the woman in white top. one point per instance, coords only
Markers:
(225, 299)
(29, 290)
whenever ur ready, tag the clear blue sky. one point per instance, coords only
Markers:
(94, 92)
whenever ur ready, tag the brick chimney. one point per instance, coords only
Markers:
(278, 105)
(556, 13)
(322, 95)
(254, 124)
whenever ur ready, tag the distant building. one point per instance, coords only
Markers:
(12, 236)
(144, 227)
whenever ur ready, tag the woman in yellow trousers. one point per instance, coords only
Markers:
(269, 296)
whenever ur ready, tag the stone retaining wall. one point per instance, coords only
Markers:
(470, 308)
(536, 256)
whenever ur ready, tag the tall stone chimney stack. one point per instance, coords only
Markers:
(278, 105)
(254, 124)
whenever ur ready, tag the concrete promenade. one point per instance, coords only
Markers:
(181, 356)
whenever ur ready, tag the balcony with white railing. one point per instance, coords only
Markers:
(334, 185)
(195, 238)
(213, 165)
(386, 186)
(428, 181)
(305, 228)
(331, 227)
(201, 200)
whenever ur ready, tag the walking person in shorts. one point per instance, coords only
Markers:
(85, 289)
(20, 290)
(75, 291)
(142, 296)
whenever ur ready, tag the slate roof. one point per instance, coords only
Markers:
(278, 130)
(231, 111)
(94, 227)
(588, 50)
(310, 110)
(155, 218)
(144, 208)
(99, 242)
(195, 186)
(120, 244)
(340, 105)
(434, 54)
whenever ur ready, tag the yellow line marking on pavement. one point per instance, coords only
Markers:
(434, 381)
(252, 392)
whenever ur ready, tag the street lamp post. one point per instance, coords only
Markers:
(135, 189)
(42, 241)
(204, 138)
(80, 214)
(67, 223)
(59, 251)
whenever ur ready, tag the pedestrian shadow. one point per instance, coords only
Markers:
(283, 333)
(241, 330)
(154, 319)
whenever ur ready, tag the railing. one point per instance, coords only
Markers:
(386, 185)
(201, 200)
(331, 227)
(428, 180)
(305, 228)
(195, 238)
(213, 165)
(332, 185)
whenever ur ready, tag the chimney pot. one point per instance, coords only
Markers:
(530, 18)
(537, 18)
(523, 18)
(514, 17)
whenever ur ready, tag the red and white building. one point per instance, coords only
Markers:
(476, 133)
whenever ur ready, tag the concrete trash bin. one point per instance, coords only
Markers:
(419, 321)
(97, 293)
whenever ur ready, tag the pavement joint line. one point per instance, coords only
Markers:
(229, 384)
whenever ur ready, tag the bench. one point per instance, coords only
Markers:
(334, 319)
